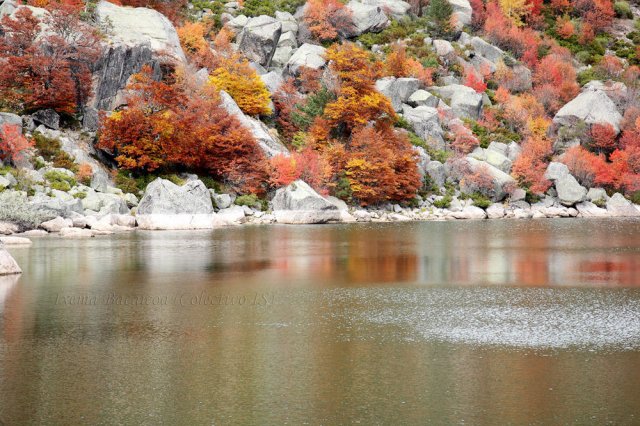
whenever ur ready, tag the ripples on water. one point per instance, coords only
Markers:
(529, 318)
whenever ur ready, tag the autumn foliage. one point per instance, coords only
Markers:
(13, 145)
(176, 126)
(52, 70)
(327, 19)
(233, 74)
(530, 167)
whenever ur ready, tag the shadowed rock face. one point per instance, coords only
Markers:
(259, 39)
(114, 69)
(136, 37)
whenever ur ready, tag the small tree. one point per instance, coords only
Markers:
(13, 145)
(440, 13)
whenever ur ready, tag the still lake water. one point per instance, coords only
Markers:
(487, 322)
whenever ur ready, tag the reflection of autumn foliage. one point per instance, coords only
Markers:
(176, 126)
(50, 71)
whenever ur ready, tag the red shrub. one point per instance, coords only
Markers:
(603, 138)
(13, 145)
(530, 167)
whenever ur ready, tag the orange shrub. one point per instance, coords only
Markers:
(530, 167)
(327, 19)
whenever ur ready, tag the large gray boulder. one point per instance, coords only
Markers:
(398, 90)
(501, 181)
(398, 9)
(588, 209)
(48, 117)
(570, 192)
(470, 212)
(52, 207)
(464, 101)
(436, 172)
(259, 38)
(591, 106)
(10, 119)
(165, 197)
(619, 206)
(288, 22)
(487, 50)
(298, 203)
(307, 55)
(423, 98)
(426, 124)
(462, 12)
(367, 18)
(268, 142)
(136, 37)
(493, 157)
(8, 265)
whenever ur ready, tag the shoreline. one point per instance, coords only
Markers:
(119, 224)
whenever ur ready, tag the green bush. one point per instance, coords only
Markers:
(80, 195)
(126, 183)
(51, 150)
(444, 202)
(623, 10)
(211, 183)
(635, 197)
(304, 114)
(59, 180)
(15, 209)
(250, 200)
(261, 7)
(480, 200)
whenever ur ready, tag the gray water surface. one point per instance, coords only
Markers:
(489, 322)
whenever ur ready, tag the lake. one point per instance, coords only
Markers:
(478, 322)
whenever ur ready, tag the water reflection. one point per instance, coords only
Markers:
(520, 253)
(392, 323)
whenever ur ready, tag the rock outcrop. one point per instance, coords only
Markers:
(269, 143)
(569, 190)
(592, 106)
(258, 39)
(307, 55)
(367, 18)
(464, 101)
(165, 197)
(398, 90)
(426, 124)
(298, 203)
(619, 206)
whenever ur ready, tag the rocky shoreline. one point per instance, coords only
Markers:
(167, 206)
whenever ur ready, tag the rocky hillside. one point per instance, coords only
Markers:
(132, 113)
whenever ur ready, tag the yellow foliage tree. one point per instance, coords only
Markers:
(236, 77)
(515, 10)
